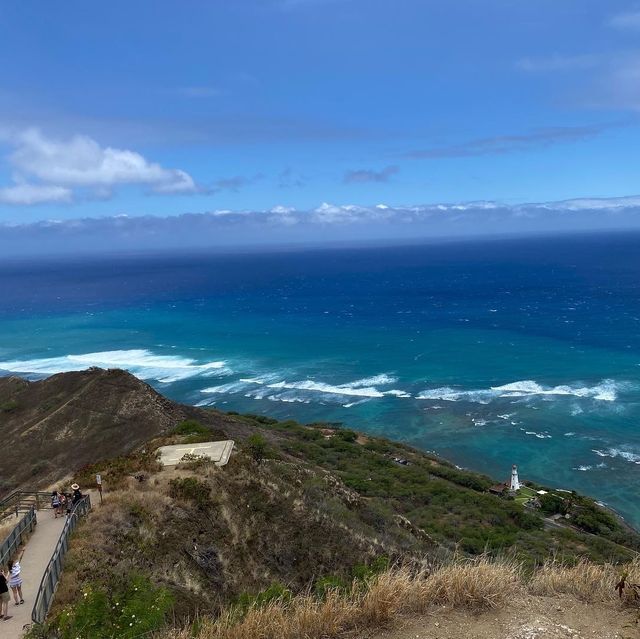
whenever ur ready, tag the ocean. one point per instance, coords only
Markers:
(489, 353)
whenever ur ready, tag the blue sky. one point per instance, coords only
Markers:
(159, 107)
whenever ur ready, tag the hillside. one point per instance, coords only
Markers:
(297, 507)
(67, 420)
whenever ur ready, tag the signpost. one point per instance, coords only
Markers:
(99, 485)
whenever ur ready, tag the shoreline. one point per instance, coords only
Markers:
(620, 518)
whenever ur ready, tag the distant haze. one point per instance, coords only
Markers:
(326, 224)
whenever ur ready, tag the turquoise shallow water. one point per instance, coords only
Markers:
(520, 352)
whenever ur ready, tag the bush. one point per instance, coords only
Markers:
(9, 406)
(115, 471)
(551, 504)
(191, 461)
(325, 585)
(275, 592)
(127, 611)
(349, 436)
(257, 447)
(190, 427)
(192, 489)
(261, 419)
(365, 572)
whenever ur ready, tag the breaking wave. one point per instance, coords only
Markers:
(627, 455)
(141, 363)
(303, 391)
(606, 391)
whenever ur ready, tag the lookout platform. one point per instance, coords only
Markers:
(218, 452)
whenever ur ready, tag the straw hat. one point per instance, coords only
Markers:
(74, 486)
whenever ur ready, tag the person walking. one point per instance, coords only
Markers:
(15, 579)
(77, 495)
(4, 596)
(55, 503)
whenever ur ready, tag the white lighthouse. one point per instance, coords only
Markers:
(515, 482)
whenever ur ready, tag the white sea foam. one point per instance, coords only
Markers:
(272, 387)
(206, 402)
(538, 435)
(357, 390)
(290, 398)
(606, 390)
(142, 363)
(231, 387)
(350, 404)
(448, 394)
(397, 393)
(375, 380)
(627, 455)
(365, 388)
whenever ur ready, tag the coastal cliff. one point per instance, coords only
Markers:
(297, 507)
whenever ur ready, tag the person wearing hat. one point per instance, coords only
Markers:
(77, 495)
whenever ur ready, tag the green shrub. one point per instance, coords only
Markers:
(261, 419)
(190, 461)
(325, 585)
(349, 436)
(192, 489)
(115, 471)
(257, 447)
(246, 601)
(551, 504)
(9, 406)
(364, 572)
(190, 427)
(128, 611)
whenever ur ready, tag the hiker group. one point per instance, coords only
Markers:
(63, 503)
(10, 579)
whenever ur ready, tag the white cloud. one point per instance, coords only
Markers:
(628, 20)
(282, 226)
(28, 194)
(81, 161)
(58, 166)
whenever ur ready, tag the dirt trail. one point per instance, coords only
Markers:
(529, 618)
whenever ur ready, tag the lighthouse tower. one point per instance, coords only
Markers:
(515, 482)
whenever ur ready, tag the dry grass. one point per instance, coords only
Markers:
(476, 584)
(470, 584)
(6, 526)
(586, 581)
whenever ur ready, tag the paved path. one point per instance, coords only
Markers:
(37, 554)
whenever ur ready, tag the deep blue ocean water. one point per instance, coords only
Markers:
(491, 353)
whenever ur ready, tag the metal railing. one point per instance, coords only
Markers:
(22, 501)
(11, 544)
(51, 576)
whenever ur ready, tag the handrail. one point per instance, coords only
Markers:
(22, 501)
(51, 576)
(14, 540)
